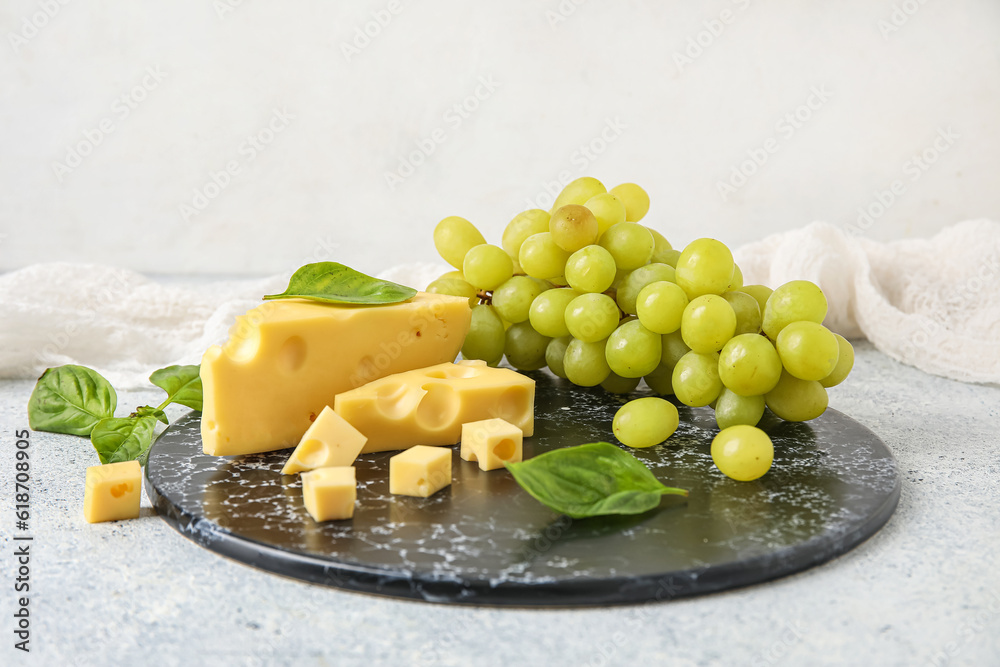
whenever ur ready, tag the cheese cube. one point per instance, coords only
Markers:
(330, 493)
(329, 442)
(286, 359)
(420, 471)
(428, 406)
(491, 443)
(112, 492)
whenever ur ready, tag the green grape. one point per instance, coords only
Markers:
(749, 365)
(696, 379)
(591, 269)
(513, 299)
(540, 257)
(452, 274)
(558, 281)
(667, 257)
(486, 338)
(616, 384)
(584, 363)
(807, 350)
(633, 350)
(645, 422)
(704, 267)
(760, 293)
(548, 311)
(554, 354)
(798, 300)
(628, 290)
(573, 227)
(845, 362)
(742, 452)
(487, 266)
(797, 400)
(672, 349)
(708, 323)
(525, 348)
(629, 243)
(592, 317)
(660, 306)
(524, 224)
(736, 281)
(747, 311)
(608, 209)
(660, 379)
(454, 287)
(635, 199)
(453, 237)
(661, 245)
(732, 409)
(579, 192)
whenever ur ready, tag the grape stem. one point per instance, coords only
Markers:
(485, 296)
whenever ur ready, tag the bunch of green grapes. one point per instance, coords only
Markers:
(601, 299)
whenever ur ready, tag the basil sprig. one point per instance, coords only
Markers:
(591, 480)
(330, 282)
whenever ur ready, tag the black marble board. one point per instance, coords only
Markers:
(483, 540)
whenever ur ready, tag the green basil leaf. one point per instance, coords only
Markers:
(331, 282)
(182, 384)
(149, 411)
(70, 399)
(591, 480)
(123, 438)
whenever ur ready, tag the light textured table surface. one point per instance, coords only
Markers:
(923, 591)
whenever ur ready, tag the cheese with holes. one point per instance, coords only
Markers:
(287, 359)
(329, 494)
(329, 442)
(428, 406)
(420, 471)
(112, 492)
(491, 443)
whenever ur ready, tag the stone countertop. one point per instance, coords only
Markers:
(924, 591)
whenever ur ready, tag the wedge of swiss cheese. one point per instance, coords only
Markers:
(286, 360)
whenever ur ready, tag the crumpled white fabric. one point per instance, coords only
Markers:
(933, 303)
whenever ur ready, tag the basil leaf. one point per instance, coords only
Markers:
(70, 399)
(149, 411)
(591, 480)
(123, 438)
(331, 282)
(182, 384)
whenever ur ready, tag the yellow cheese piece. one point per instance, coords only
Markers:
(330, 493)
(112, 492)
(329, 443)
(491, 443)
(420, 471)
(286, 359)
(428, 406)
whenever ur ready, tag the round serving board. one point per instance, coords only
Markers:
(484, 540)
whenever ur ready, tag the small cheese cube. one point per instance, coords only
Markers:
(420, 471)
(330, 493)
(491, 442)
(112, 492)
(329, 443)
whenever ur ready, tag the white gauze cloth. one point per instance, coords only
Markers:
(932, 303)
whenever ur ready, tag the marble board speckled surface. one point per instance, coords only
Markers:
(483, 540)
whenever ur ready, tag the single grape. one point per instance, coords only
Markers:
(573, 227)
(749, 365)
(660, 380)
(661, 245)
(579, 191)
(667, 257)
(486, 337)
(525, 348)
(633, 350)
(845, 362)
(736, 281)
(732, 409)
(591, 269)
(454, 287)
(453, 237)
(629, 243)
(547, 313)
(452, 274)
(747, 311)
(645, 422)
(554, 354)
(807, 350)
(660, 306)
(798, 300)
(696, 379)
(704, 267)
(672, 349)
(592, 317)
(760, 293)
(524, 224)
(487, 266)
(584, 363)
(608, 209)
(742, 452)
(616, 384)
(635, 199)
(797, 400)
(708, 323)
(628, 290)
(541, 258)
(513, 299)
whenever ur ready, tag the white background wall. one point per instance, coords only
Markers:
(561, 73)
